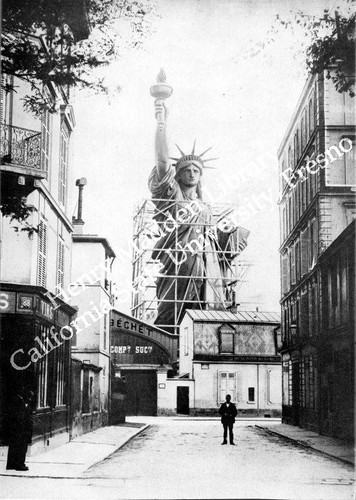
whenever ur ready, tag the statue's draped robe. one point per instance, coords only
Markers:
(191, 271)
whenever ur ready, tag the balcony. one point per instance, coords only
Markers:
(20, 151)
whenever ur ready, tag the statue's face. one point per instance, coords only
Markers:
(189, 176)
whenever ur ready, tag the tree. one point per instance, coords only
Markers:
(78, 36)
(329, 43)
(60, 43)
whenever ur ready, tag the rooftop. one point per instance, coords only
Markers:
(238, 317)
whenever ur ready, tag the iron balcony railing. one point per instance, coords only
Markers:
(21, 146)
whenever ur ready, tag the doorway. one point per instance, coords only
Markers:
(183, 400)
(141, 397)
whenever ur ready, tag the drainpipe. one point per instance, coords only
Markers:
(258, 387)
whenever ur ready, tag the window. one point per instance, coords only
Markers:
(185, 341)
(226, 385)
(42, 254)
(3, 99)
(251, 394)
(311, 114)
(296, 147)
(226, 340)
(290, 157)
(307, 382)
(285, 273)
(85, 391)
(105, 330)
(284, 228)
(60, 374)
(297, 260)
(313, 244)
(312, 310)
(349, 160)
(63, 165)
(304, 251)
(290, 384)
(292, 265)
(285, 383)
(341, 154)
(42, 372)
(306, 124)
(294, 206)
(298, 207)
(304, 314)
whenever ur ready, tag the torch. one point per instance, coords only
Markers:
(161, 91)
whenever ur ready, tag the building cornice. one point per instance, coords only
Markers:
(94, 238)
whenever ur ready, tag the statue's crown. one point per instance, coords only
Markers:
(186, 160)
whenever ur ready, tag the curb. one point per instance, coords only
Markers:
(141, 429)
(305, 445)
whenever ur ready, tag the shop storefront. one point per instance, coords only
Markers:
(35, 354)
(137, 351)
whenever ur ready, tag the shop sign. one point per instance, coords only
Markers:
(130, 325)
(130, 348)
(7, 302)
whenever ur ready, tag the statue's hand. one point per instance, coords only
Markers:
(161, 111)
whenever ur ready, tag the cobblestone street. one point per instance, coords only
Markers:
(176, 458)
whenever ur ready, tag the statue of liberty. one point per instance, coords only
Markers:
(194, 251)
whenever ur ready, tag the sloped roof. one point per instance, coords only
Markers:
(238, 317)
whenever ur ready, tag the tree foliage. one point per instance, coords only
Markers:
(16, 209)
(77, 36)
(329, 42)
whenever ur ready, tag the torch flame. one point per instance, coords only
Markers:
(161, 77)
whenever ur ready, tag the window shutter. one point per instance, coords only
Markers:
(284, 273)
(42, 254)
(45, 139)
(2, 99)
(304, 251)
(292, 265)
(63, 166)
(60, 264)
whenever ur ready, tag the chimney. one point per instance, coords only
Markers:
(78, 222)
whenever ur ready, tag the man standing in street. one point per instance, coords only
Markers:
(228, 413)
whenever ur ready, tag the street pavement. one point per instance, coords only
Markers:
(183, 458)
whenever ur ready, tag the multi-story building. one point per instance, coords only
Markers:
(92, 259)
(35, 321)
(317, 202)
(336, 336)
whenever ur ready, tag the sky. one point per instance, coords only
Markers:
(223, 96)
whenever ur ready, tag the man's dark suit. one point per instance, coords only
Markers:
(228, 414)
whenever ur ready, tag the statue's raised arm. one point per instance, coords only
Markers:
(161, 146)
(161, 90)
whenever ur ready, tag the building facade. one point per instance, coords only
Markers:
(228, 353)
(317, 202)
(336, 336)
(36, 254)
(92, 259)
(35, 163)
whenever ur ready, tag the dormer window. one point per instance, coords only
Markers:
(226, 337)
